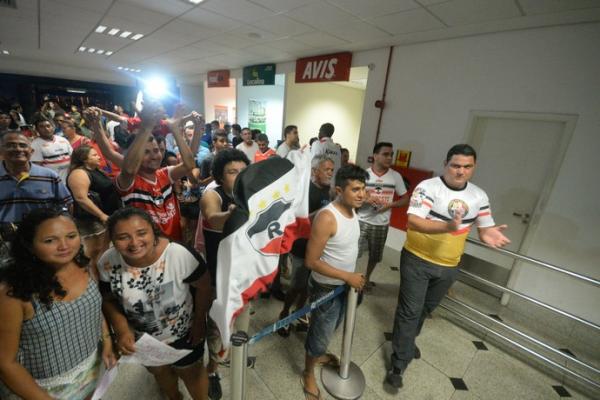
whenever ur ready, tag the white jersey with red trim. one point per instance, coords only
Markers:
(433, 199)
(54, 154)
(382, 188)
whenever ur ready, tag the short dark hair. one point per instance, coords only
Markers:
(159, 139)
(379, 145)
(349, 173)
(462, 149)
(312, 140)
(223, 158)
(127, 213)
(344, 150)
(219, 133)
(39, 119)
(261, 137)
(326, 130)
(236, 127)
(289, 129)
(214, 121)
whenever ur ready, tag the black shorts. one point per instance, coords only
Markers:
(196, 355)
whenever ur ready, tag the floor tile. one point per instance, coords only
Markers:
(444, 346)
(493, 375)
(421, 380)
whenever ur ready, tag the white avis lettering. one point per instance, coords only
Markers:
(322, 69)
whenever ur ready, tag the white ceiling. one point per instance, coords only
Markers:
(186, 40)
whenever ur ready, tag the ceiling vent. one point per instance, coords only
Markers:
(8, 3)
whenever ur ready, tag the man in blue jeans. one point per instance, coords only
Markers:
(440, 215)
(331, 254)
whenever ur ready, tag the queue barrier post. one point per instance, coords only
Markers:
(239, 354)
(347, 383)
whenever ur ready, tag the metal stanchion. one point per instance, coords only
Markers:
(239, 354)
(349, 382)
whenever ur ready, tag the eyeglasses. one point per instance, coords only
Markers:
(14, 146)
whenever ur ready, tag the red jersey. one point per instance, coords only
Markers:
(110, 169)
(157, 199)
(260, 156)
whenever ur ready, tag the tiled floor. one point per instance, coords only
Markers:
(452, 367)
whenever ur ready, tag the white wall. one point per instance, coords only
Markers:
(273, 95)
(433, 86)
(309, 105)
(222, 97)
(192, 96)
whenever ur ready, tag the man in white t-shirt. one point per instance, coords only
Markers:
(326, 146)
(290, 141)
(383, 184)
(50, 150)
(248, 146)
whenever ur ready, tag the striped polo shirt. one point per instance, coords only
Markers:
(41, 187)
(54, 154)
(157, 199)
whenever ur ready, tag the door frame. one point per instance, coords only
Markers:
(569, 121)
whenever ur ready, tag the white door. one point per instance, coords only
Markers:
(518, 156)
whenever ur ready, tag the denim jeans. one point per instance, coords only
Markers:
(422, 286)
(324, 320)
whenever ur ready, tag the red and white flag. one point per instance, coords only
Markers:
(271, 213)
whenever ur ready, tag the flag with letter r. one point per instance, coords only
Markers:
(271, 212)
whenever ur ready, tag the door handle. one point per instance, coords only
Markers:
(524, 217)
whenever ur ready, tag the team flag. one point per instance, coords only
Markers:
(272, 211)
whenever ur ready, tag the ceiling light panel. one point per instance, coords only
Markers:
(125, 34)
(113, 31)
(100, 29)
(137, 36)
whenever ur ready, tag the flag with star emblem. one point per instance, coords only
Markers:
(271, 212)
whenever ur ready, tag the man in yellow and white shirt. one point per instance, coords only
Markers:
(441, 212)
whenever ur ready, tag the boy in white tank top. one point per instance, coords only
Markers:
(331, 255)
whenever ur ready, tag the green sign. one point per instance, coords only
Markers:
(259, 75)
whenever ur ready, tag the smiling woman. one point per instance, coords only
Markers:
(51, 312)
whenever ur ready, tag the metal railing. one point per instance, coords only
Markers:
(532, 300)
(537, 262)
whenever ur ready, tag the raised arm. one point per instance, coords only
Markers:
(323, 228)
(92, 116)
(111, 115)
(187, 158)
(198, 131)
(12, 373)
(135, 155)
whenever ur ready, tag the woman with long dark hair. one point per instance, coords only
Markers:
(51, 314)
(96, 198)
(154, 286)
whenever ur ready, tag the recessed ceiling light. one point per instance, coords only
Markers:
(100, 28)
(91, 50)
(82, 48)
(100, 51)
(126, 69)
(125, 34)
(119, 67)
(109, 53)
(138, 70)
(5, 52)
(195, 1)
(137, 36)
(113, 31)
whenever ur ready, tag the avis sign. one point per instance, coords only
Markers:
(328, 68)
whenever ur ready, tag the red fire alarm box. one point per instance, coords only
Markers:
(412, 177)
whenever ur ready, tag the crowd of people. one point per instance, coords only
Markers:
(111, 224)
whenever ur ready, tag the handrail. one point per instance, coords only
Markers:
(536, 262)
(531, 299)
(522, 347)
(524, 335)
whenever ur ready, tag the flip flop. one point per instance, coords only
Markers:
(310, 395)
(332, 361)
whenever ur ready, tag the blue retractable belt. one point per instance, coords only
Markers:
(297, 314)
